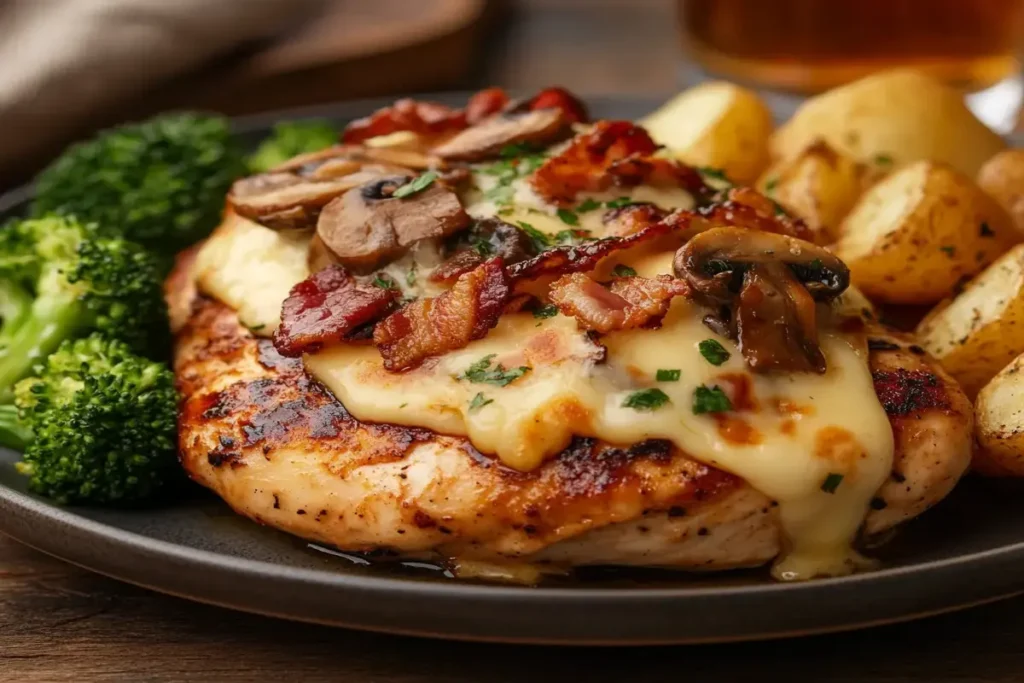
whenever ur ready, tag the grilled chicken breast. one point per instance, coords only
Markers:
(281, 450)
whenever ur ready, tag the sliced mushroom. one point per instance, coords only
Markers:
(763, 288)
(489, 237)
(487, 138)
(366, 227)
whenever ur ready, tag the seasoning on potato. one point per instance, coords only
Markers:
(919, 232)
(999, 417)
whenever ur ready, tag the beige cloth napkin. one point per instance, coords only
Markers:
(62, 61)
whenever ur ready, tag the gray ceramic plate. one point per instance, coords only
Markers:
(967, 551)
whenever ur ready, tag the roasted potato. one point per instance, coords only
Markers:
(890, 119)
(716, 124)
(982, 329)
(999, 420)
(913, 236)
(820, 185)
(1002, 177)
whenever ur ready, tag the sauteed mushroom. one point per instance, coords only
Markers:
(367, 226)
(487, 138)
(763, 287)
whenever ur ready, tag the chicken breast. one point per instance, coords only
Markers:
(283, 451)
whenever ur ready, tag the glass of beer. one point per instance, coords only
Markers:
(808, 46)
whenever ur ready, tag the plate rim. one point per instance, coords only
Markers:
(22, 512)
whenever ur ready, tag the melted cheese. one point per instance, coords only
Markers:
(251, 268)
(797, 430)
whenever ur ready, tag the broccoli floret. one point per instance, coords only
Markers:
(289, 139)
(103, 424)
(160, 183)
(60, 280)
(13, 432)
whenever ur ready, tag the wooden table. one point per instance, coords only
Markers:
(61, 623)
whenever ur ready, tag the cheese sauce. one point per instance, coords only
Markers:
(819, 445)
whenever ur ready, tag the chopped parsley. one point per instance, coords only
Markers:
(481, 372)
(568, 217)
(540, 240)
(517, 149)
(622, 270)
(986, 231)
(646, 399)
(384, 282)
(402, 406)
(948, 250)
(882, 160)
(545, 311)
(520, 161)
(665, 375)
(257, 328)
(619, 203)
(410, 277)
(588, 204)
(832, 482)
(770, 185)
(417, 184)
(478, 402)
(713, 352)
(572, 236)
(711, 400)
(481, 246)
(713, 174)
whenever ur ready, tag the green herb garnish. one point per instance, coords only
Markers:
(832, 482)
(619, 203)
(540, 240)
(713, 173)
(517, 149)
(622, 270)
(481, 372)
(770, 185)
(948, 250)
(665, 375)
(568, 217)
(713, 352)
(478, 402)
(646, 399)
(410, 277)
(882, 160)
(572, 236)
(417, 184)
(711, 400)
(545, 311)
(384, 282)
(588, 204)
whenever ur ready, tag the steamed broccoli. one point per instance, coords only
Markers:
(102, 423)
(160, 183)
(289, 139)
(60, 280)
(13, 432)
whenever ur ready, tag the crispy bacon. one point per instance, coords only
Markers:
(560, 98)
(326, 308)
(745, 207)
(437, 325)
(424, 118)
(631, 219)
(624, 304)
(485, 103)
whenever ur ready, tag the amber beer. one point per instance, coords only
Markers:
(812, 45)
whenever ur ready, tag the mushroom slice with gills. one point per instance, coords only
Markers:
(763, 288)
(285, 201)
(487, 138)
(367, 227)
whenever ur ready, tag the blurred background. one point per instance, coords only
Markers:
(73, 65)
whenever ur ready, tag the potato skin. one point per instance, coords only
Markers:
(977, 333)
(999, 417)
(916, 234)
(716, 124)
(895, 118)
(1002, 178)
(820, 185)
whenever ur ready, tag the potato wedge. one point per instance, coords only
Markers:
(999, 420)
(715, 124)
(1002, 177)
(820, 185)
(976, 334)
(892, 118)
(916, 234)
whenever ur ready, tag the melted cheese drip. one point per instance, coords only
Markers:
(805, 427)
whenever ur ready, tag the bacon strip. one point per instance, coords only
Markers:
(437, 325)
(326, 308)
(626, 303)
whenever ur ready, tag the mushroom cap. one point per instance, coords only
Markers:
(489, 136)
(366, 227)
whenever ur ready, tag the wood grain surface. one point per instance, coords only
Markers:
(61, 623)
